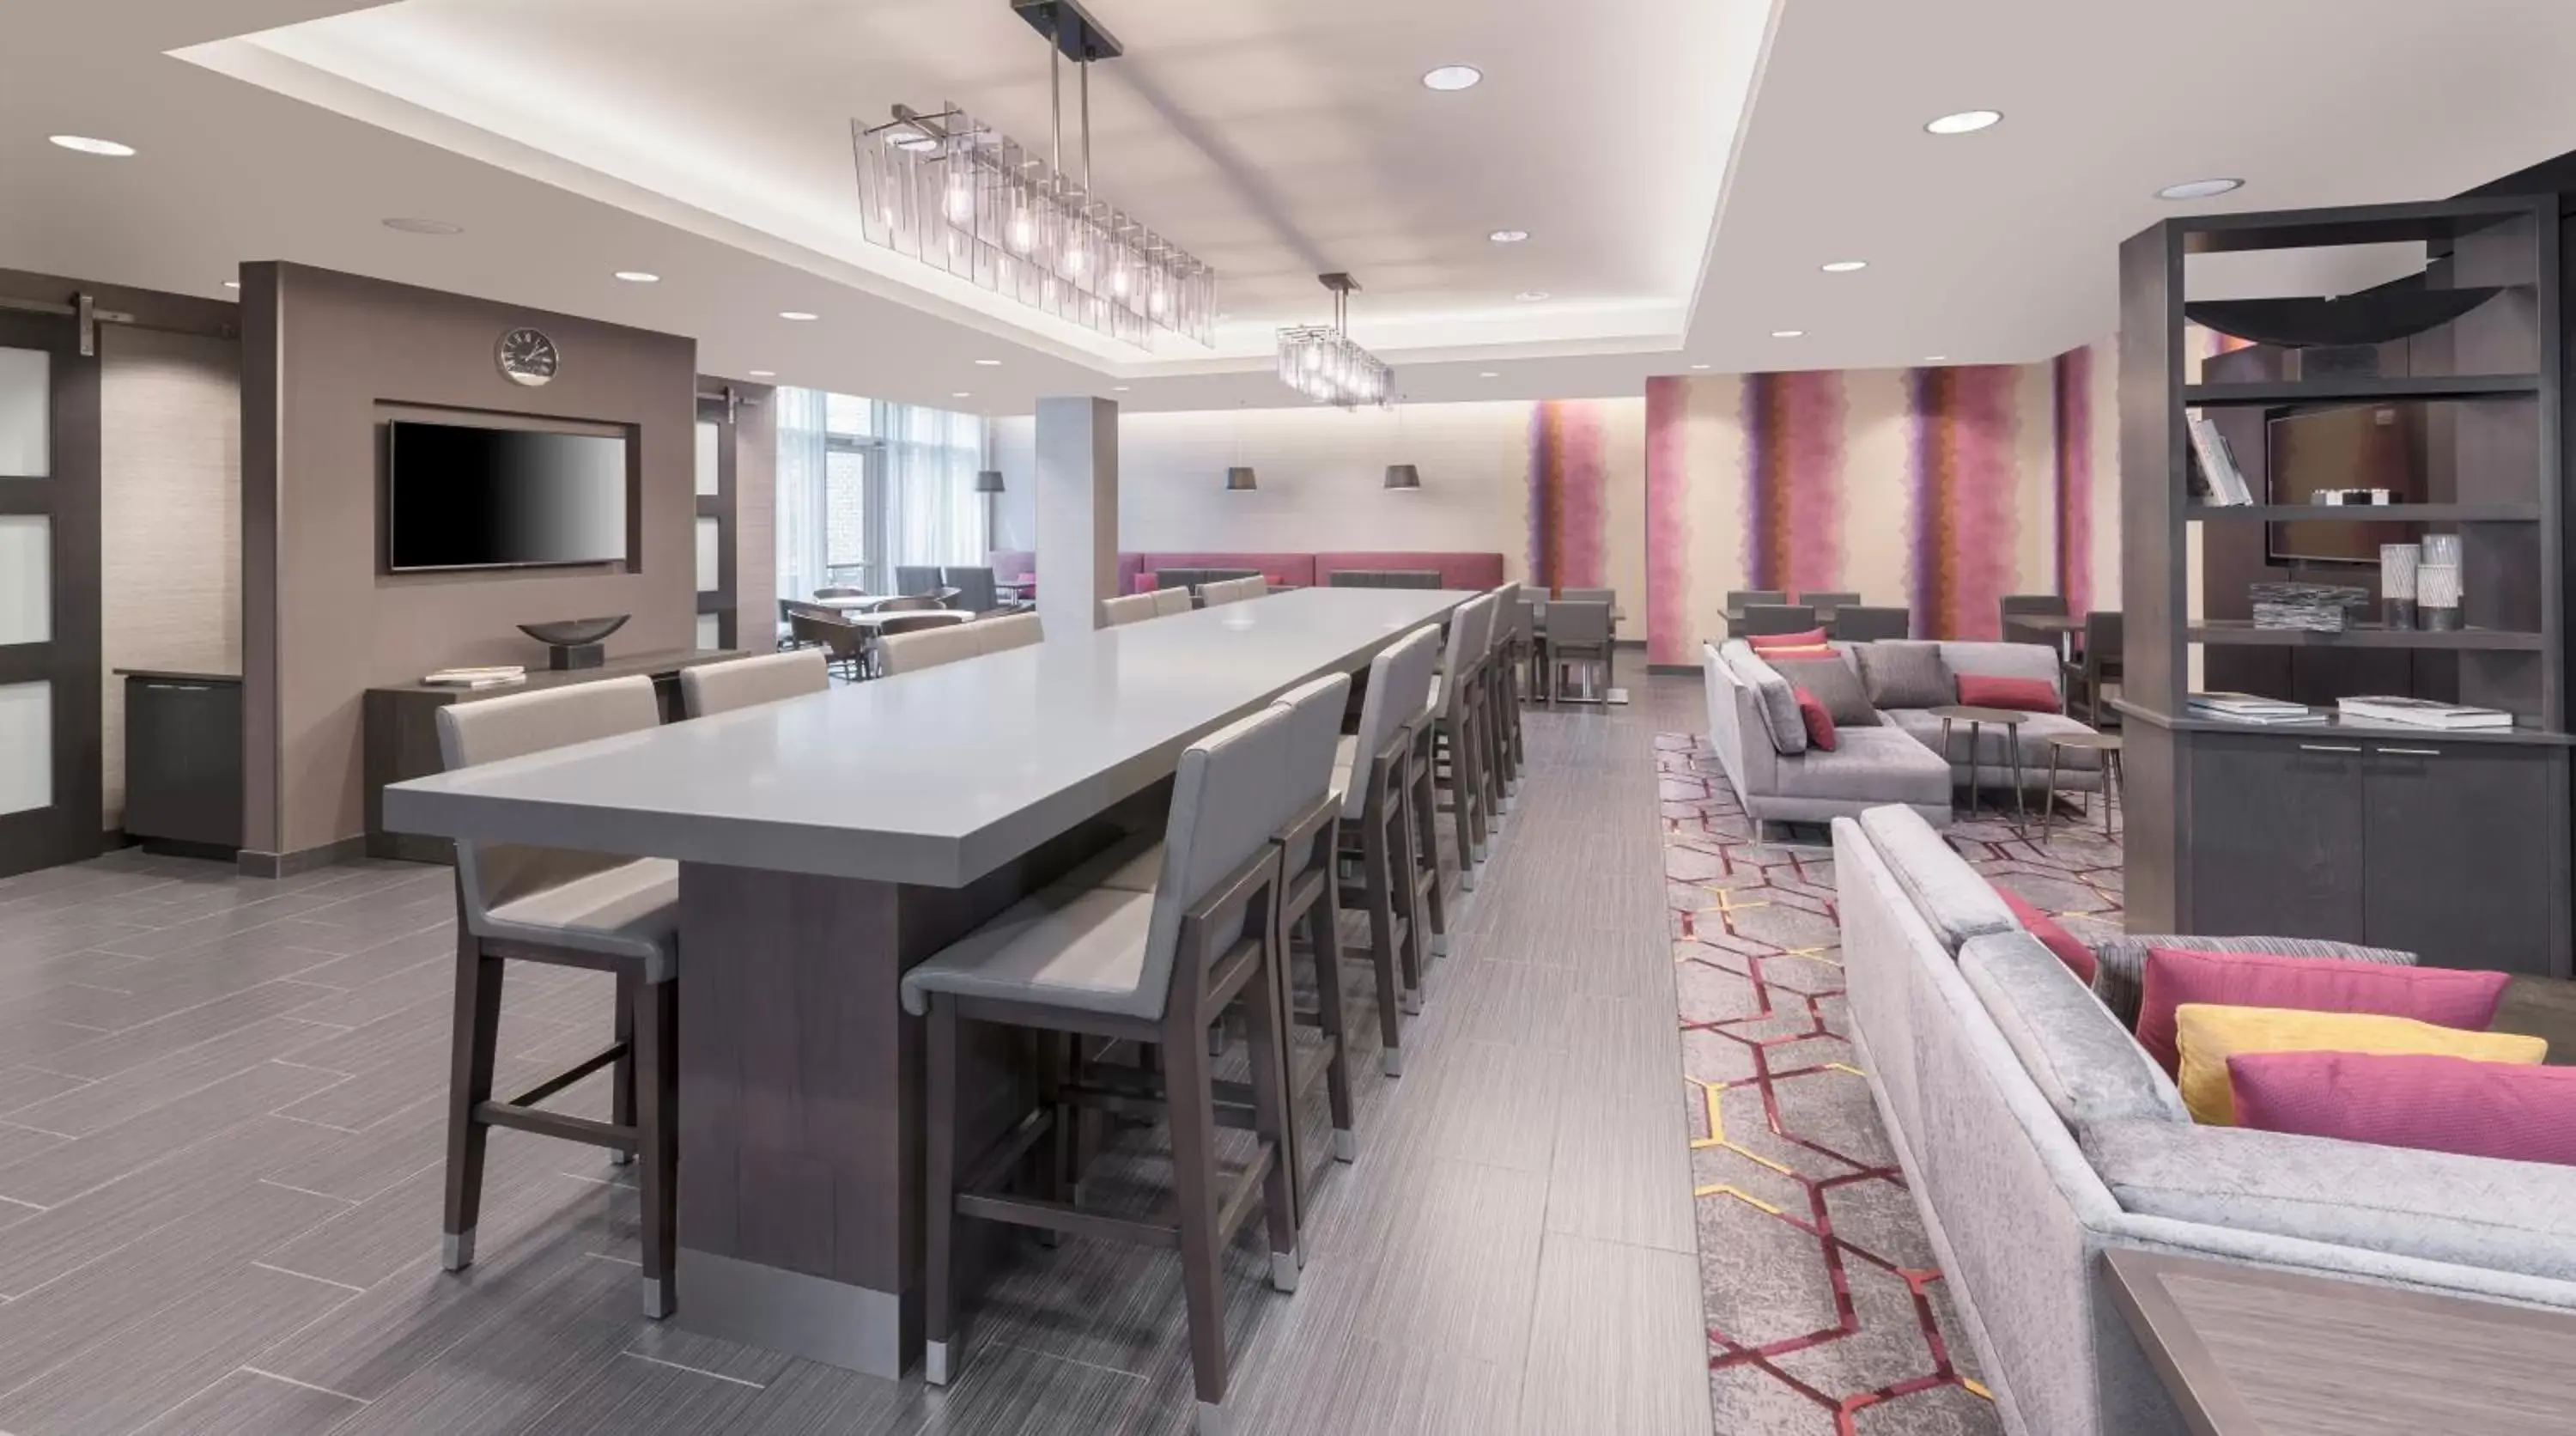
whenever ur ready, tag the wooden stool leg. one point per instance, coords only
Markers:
(1404, 871)
(1194, 1180)
(940, 1352)
(621, 1100)
(1268, 1040)
(1324, 940)
(1382, 869)
(657, 1055)
(1424, 799)
(473, 1040)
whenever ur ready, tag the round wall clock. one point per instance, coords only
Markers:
(528, 357)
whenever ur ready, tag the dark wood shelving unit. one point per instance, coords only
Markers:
(2371, 636)
(2453, 846)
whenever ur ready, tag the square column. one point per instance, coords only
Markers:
(1077, 511)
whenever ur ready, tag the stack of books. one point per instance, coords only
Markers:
(2422, 713)
(500, 675)
(2216, 479)
(2247, 708)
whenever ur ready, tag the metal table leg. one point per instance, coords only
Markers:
(2048, 804)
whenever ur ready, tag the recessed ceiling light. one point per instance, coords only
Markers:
(1966, 122)
(424, 226)
(763, 373)
(799, 315)
(961, 394)
(988, 363)
(1531, 296)
(1699, 366)
(1452, 77)
(1489, 374)
(232, 284)
(83, 143)
(1120, 388)
(1846, 266)
(1788, 333)
(638, 276)
(2199, 189)
(1508, 236)
(1936, 358)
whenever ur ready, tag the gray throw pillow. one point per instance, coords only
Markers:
(1835, 685)
(1773, 698)
(1906, 675)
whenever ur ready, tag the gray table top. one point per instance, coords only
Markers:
(934, 777)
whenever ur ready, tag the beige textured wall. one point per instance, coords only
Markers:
(170, 516)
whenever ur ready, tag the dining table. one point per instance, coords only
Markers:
(879, 618)
(2060, 629)
(827, 843)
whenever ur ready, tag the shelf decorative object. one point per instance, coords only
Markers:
(2397, 566)
(2437, 596)
(575, 643)
(2307, 607)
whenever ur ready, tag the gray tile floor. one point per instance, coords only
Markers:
(221, 1108)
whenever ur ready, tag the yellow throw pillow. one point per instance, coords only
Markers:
(2210, 1034)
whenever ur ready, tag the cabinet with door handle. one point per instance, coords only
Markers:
(2455, 848)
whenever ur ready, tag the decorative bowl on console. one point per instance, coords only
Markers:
(575, 642)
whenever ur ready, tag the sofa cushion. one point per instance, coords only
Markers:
(1867, 765)
(2504, 1216)
(1996, 744)
(1818, 722)
(2209, 1034)
(1772, 698)
(1953, 898)
(2068, 948)
(1835, 683)
(1905, 675)
(2430, 1103)
(2005, 660)
(1763, 642)
(2086, 1064)
(2026, 695)
(2446, 997)
(2120, 963)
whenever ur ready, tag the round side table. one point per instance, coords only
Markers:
(2107, 747)
(2010, 720)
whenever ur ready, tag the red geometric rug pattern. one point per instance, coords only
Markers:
(1827, 1311)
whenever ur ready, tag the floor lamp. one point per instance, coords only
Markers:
(988, 482)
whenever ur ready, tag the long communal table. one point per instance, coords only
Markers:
(828, 843)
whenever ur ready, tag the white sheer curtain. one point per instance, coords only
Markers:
(804, 521)
(932, 513)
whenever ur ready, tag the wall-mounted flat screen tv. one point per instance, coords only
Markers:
(463, 497)
(2375, 446)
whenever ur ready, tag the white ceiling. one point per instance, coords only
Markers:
(1684, 166)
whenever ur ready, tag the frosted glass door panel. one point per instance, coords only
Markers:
(26, 746)
(710, 630)
(710, 554)
(26, 579)
(710, 474)
(26, 414)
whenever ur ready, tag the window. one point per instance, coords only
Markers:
(865, 487)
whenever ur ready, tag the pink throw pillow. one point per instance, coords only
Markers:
(2434, 1104)
(2438, 995)
(1819, 720)
(2069, 948)
(2024, 695)
(1764, 642)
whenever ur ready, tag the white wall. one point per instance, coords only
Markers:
(1322, 476)
(170, 515)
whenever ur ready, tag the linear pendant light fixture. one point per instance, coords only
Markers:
(962, 197)
(1323, 364)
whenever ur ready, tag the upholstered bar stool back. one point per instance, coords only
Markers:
(1000, 635)
(723, 687)
(1234, 590)
(1134, 608)
(929, 648)
(495, 880)
(1169, 601)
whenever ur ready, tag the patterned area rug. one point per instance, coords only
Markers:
(1826, 1308)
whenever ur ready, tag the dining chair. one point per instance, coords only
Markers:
(1863, 624)
(1608, 597)
(912, 603)
(1738, 599)
(1578, 634)
(909, 650)
(911, 579)
(1759, 618)
(1076, 961)
(1373, 769)
(844, 644)
(1828, 604)
(1426, 578)
(975, 588)
(1169, 601)
(1354, 578)
(787, 638)
(1133, 608)
(999, 635)
(2015, 605)
(840, 590)
(563, 908)
(2098, 667)
(722, 687)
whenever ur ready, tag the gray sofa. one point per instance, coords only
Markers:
(1751, 709)
(2035, 1134)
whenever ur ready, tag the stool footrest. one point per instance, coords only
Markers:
(556, 1124)
(570, 1075)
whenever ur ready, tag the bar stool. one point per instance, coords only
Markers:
(565, 909)
(1456, 716)
(1374, 770)
(1155, 968)
(713, 688)
(1501, 775)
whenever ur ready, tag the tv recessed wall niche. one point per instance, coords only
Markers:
(461, 496)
